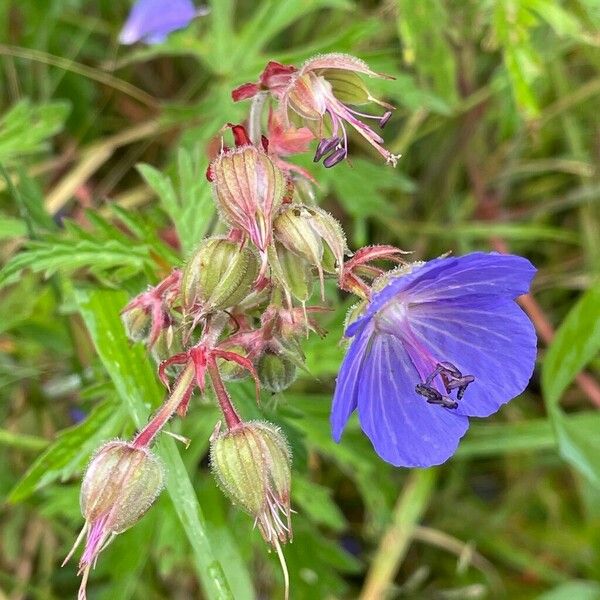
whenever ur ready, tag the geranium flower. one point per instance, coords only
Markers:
(440, 342)
(151, 21)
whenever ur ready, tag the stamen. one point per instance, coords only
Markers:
(434, 397)
(325, 146)
(336, 157)
(452, 379)
(383, 121)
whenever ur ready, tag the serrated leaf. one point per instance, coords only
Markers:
(64, 255)
(25, 128)
(315, 502)
(189, 205)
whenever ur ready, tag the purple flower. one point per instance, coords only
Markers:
(439, 344)
(153, 20)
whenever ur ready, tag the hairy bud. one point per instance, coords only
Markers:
(276, 373)
(251, 462)
(138, 323)
(120, 485)
(249, 188)
(314, 235)
(218, 275)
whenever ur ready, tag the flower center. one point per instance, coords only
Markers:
(443, 376)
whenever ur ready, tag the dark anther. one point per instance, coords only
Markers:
(325, 146)
(452, 378)
(334, 158)
(264, 142)
(385, 118)
(434, 397)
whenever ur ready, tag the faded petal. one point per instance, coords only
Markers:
(405, 430)
(152, 20)
(488, 337)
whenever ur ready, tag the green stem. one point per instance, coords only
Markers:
(394, 544)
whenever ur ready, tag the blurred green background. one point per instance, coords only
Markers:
(498, 123)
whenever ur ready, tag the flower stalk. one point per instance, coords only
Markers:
(179, 395)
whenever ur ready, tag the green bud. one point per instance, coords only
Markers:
(219, 274)
(120, 484)
(303, 229)
(168, 343)
(291, 271)
(137, 322)
(276, 373)
(252, 465)
(293, 229)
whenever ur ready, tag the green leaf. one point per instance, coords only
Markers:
(573, 590)
(423, 28)
(71, 450)
(191, 208)
(58, 254)
(11, 228)
(133, 376)
(25, 128)
(576, 343)
(315, 502)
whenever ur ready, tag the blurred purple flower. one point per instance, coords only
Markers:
(151, 21)
(445, 326)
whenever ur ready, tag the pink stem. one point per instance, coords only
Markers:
(146, 436)
(231, 417)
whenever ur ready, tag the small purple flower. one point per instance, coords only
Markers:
(439, 344)
(151, 21)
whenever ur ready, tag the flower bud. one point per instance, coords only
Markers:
(248, 188)
(291, 271)
(120, 484)
(167, 344)
(252, 465)
(138, 323)
(276, 373)
(218, 275)
(303, 229)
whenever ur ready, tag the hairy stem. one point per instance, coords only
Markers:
(146, 436)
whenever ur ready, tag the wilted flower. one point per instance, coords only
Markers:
(284, 141)
(274, 79)
(147, 315)
(321, 93)
(430, 333)
(119, 486)
(151, 21)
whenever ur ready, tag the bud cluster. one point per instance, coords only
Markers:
(240, 307)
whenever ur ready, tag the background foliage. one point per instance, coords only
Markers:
(499, 130)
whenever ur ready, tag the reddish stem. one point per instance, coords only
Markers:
(182, 388)
(231, 417)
